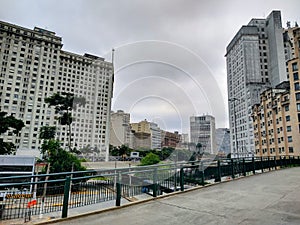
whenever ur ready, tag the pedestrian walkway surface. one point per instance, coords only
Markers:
(269, 198)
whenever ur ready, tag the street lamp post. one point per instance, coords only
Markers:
(235, 126)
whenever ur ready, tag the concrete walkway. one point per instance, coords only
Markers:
(270, 198)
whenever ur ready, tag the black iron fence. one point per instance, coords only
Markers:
(41, 194)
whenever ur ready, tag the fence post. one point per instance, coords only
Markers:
(202, 174)
(155, 182)
(281, 163)
(232, 169)
(118, 186)
(269, 163)
(262, 164)
(253, 165)
(181, 179)
(218, 178)
(244, 167)
(66, 197)
(285, 161)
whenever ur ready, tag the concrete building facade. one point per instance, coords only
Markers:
(255, 61)
(277, 116)
(120, 130)
(170, 139)
(202, 130)
(146, 135)
(276, 123)
(34, 67)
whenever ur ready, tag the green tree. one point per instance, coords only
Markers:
(64, 103)
(150, 159)
(7, 123)
(86, 150)
(60, 159)
(47, 132)
(165, 153)
(122, 151)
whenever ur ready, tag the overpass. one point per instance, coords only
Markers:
(268, 198)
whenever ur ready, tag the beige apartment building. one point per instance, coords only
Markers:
(276, 118)
(146, 135)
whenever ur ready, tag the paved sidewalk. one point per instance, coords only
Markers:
(71, 212)
(270, 198)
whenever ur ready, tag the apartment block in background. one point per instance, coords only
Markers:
(120, 130)
(146, 134)
(202, 130)
(34, 67)
(170, 139)
(277, 116)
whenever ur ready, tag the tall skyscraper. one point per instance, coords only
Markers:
(202, 130)
(255, 61)
(34, 67)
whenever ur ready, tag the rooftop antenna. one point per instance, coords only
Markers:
(112, 56)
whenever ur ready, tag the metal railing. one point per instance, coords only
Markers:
(36, 195)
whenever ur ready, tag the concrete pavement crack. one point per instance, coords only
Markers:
(193, 210)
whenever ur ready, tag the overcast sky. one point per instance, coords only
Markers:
(169, 54)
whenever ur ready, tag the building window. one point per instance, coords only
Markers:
(291, 149)
(288, 128)
(297, 86)
(294, 66)
(298, 107)
(297, 96)
(290, 139)
(288, 118)
(296, 77)
(287, 107)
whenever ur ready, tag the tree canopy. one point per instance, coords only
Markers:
(150, 159)
(7, 123)
(122, 151)
(47, 132)
(64, 103)
(60, 159)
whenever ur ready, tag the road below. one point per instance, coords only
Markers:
(270, 198)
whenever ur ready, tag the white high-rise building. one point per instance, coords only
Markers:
(255, 60)
(155, 136)
(202, 130)
(34, 67)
